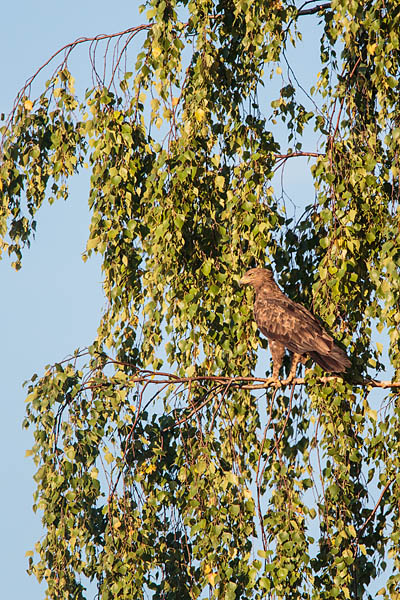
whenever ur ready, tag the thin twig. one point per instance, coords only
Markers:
(219, 405)
(389, 483)
(260, 473)
(289, 410)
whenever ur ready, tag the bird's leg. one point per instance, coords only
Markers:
(295, 361)
(275, 376)
(304, 359)
(277, 352)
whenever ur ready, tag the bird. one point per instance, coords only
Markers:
(290, 325)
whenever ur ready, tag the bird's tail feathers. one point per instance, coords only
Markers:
(336, 361)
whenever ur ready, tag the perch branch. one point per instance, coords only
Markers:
(146, 376)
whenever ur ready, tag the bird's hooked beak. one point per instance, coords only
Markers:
(246, 279)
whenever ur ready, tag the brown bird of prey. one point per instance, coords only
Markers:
(289, 325)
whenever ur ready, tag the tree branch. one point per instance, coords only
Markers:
(246, 383)
(295, 154)
(389, 483)
(67, 49)
(315, 9)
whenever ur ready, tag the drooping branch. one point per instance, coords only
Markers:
(67, 49)
(373, 511)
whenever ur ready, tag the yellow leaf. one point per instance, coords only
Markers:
(331, 428)
(108, 456)
(92, 242)
(279, 70)
(190, 371)
(28, 104)
(211, 578)
(247, 493)
(156, 51)
(371, 48)
(70, 452)
(200, 115)
(155, 104)
(94, 473)
(220, 181)
(352, 531)
(29, 553)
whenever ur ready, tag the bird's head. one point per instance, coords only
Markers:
(256, 277)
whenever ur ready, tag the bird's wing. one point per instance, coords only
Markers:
(287, 322)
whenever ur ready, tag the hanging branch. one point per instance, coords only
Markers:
(67, 49)
(373, 511)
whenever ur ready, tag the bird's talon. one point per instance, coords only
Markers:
(275, 381)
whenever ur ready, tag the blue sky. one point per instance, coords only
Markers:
(53, 305)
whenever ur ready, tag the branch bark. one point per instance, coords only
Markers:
(294, 154)
(315, 9)
(247, 383)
